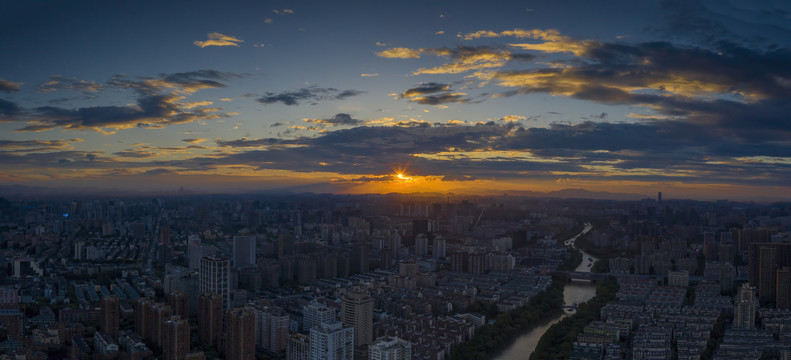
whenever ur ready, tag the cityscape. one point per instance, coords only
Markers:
(428, 180)
(394, 276)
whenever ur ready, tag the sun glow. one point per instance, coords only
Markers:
(403, 178)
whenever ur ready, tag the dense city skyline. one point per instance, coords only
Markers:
(686, 97)
(309, 276)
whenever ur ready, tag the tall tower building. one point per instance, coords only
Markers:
(332, 341)
(783, 293)
(390, 348)
(316, 313)
(357, 311)
(194, 251)
(180, 303)
(272, 325)
(141, 310)
(767, 277)
(158, 314)
(164, 235)
(726, 237)
(110, 319)
(726, 253)
(176, 338)
(764, 260)
(727, 272)
(360, 262)
(240, 335)
(215, 277)
(243, 251)
(439, 249)
(298, 347)
(710, 246)
(421, 245)
(745, 308)
(420, 226)
(210, 319)
(285, 245)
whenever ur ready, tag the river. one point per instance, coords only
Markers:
(575, 292)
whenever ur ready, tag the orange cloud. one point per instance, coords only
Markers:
(400, 53)
(553, 41)
(217, 39)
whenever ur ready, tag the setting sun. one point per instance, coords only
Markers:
(403, 178)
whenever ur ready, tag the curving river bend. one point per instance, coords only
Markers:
(575, 292)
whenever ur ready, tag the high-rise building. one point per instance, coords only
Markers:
(357, 312)
(711, 249)
(727, 272)
(764, 260)
(298, 347)
(164, 235)
(240, 335)
(210, 316)
(421, 245)
(176, 338)
(139, 230)
(386, 257)
(79, 250)
(271, 323)
(238, 298)
(726, 237)
(767, 277)
(316, 313)
(727, 253)
(180, 303)
(158, 314)
(215, 277)
(164, 254)
(783, 293)
(408, 268)
(141, 318)
(243, 251)
(744, 318)
(360, 262)
(750, 236)
(390, 348)
(332, 341)
(439, 248)
(306, 269)
(189, 283)
(110, 316)
(285, 245)
(194, 251)
(419, 226)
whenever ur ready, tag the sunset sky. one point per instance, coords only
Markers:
(685, 97)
